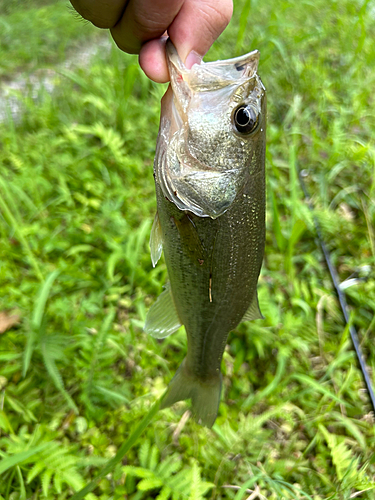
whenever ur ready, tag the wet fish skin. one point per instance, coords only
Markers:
(210, 190)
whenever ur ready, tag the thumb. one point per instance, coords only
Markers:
(197, 25)
(194, 29)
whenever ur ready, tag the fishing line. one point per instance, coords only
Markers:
(340, 294)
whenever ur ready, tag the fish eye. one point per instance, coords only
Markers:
(245, 119)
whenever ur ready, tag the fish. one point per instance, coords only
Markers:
(209, 173)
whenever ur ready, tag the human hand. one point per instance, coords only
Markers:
(141, 27)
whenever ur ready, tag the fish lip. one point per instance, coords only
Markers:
(238, 61)
(222, 70)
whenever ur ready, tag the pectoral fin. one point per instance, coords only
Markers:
(162, 318)
(253, 312)
(190, 239)
(156, 241)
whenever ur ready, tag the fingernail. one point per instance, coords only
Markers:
(193, 58)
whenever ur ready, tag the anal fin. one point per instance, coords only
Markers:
(162, 318)
(253, 312)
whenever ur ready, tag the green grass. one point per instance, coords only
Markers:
(77, 201)
(39, 33)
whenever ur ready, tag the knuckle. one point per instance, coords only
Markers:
(217, 15)
(126, 45)
(147, 27)
(95, 14)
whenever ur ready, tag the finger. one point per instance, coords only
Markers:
(153, 61)
(144, 20)
(197, 25)
(100, 12)
(194, 29)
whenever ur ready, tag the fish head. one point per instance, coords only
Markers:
(212, 132)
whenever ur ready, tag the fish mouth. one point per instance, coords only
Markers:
(211, 75)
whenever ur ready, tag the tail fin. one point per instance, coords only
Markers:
(205, 397)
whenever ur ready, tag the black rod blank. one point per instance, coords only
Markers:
(340, 294)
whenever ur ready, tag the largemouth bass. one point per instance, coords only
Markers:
(210, 187)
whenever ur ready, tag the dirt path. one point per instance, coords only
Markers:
(12, 92)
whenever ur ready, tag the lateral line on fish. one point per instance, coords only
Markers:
(203, 354)
(212, 253)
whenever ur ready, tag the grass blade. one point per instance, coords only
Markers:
(22, 484)
(42, 299)
(246, 485)
(243, 24)
(318, 387)
(16, 226)
(18, 458)
(56, 378)
(254, 398)
(38, 313)
(123, 450)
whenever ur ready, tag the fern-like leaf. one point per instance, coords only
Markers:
(73, 479)
(150, 484)
(164, 494)
(169, 466)
(340, 453)
(35, 471)
(46, 479)
(167, 476)
(154, 457)
(144, 451)
(195, 489)
(137, 471)
(57, 481)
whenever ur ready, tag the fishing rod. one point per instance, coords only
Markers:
(339, 291)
